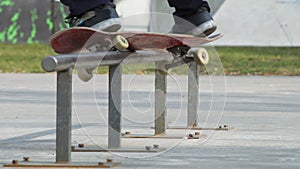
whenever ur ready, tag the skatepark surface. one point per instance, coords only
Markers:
(262, 114)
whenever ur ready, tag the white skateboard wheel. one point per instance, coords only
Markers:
(121, 43)
(84, 75)
(201, 57)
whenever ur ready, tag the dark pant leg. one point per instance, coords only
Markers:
(78, 7)
(187, 7)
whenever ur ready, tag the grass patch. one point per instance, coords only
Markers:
(260, 60)
(23, 58)
(26, 58)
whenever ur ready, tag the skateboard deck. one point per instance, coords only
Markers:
(76, 39)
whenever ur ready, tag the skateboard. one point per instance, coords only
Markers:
(84, 39)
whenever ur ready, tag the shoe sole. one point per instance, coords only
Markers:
(110, 25)
(205, 29)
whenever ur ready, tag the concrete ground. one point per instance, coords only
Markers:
(262, 113)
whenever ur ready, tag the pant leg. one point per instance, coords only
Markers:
(78, 7)
(187, 7)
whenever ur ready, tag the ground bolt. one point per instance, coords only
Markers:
(148, 148)
(15, 161)
(26, 159)
(72, 148)
(155, 146)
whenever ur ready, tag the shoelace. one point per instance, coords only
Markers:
(76, 20)
(71, 20)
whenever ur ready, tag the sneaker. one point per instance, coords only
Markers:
(205, 25)
(104, 18)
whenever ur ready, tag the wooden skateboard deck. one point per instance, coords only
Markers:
(73, 40)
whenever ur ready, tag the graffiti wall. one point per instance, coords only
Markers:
(30, 21)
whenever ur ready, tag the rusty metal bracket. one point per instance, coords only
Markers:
(161, 136)
(38, 164)
(220, 128)
(147, 149)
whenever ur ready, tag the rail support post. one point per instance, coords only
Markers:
(193, 94)
(160, 98)
(64, 116)
(114, 109)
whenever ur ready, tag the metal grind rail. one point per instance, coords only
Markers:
(65, 63)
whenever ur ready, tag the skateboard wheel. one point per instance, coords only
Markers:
(121, 43)
(201, 57)
(84, 75)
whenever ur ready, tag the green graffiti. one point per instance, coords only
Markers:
(11, 32)
(2, 36)
(49, 21)
(16, 16)
(22, 35)
(6, 3)
(13, 29)
(33, 32)
(62, 25)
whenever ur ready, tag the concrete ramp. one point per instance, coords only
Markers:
(259, 23)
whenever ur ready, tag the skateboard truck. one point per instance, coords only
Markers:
(185, 54)
(179, 54)
(119, 43)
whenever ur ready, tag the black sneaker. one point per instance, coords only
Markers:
(103, 18)
(200, 23)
